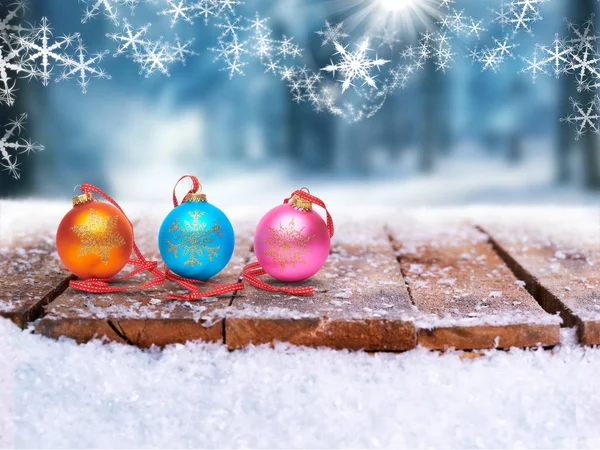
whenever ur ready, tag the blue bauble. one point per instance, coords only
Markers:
(196, 240)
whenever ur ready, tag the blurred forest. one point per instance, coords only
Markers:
(198, 120)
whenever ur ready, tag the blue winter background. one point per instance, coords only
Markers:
(459, 137)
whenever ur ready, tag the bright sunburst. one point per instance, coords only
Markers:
(407, 17)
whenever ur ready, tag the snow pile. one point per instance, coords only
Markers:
(58, 394)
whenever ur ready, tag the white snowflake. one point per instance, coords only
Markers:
(387, 38)
(332, 33)
(535, 65)
(584, 57)
(83, 67)
(108, 7)
(475, 27)
(131, 41)
(11, 66)
(181, 10)
(40, 49)
(228, 6)
(355, 65)
(503, 15)
(586, 117)
(492, 58)
(156, 57)
(230, 52)
(207, 9)
(181, 50)
(287, 48)
(558, 55)
(15, 10)
(523, 13)
(12, 145)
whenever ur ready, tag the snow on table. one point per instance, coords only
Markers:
(32, 274)
(467, 296)
(559, 261)
(461, 292)
(360, 301)
(144, 318)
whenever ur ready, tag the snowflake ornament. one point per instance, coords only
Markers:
(12, 145)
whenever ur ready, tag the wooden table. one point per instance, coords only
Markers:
(465, 279)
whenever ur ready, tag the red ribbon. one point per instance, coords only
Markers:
(252, 271)
(317, 201)
(102, 285)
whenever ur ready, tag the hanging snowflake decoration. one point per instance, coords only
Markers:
(12, 145)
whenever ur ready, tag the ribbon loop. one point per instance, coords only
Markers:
(317, 201)
(195, 187)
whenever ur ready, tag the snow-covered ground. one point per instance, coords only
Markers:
(59, 394)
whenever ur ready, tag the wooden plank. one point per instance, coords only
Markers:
(32, 276)
(361, 302)
(561, 267)
(469, 299)
(144, 318)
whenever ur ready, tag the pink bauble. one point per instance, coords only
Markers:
(291, 244)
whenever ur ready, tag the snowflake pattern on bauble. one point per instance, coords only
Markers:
(287, 245)
(192, 240)
(99, 235)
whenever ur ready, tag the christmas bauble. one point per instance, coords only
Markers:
(196, 239)
(292, 241)
(94, 239)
